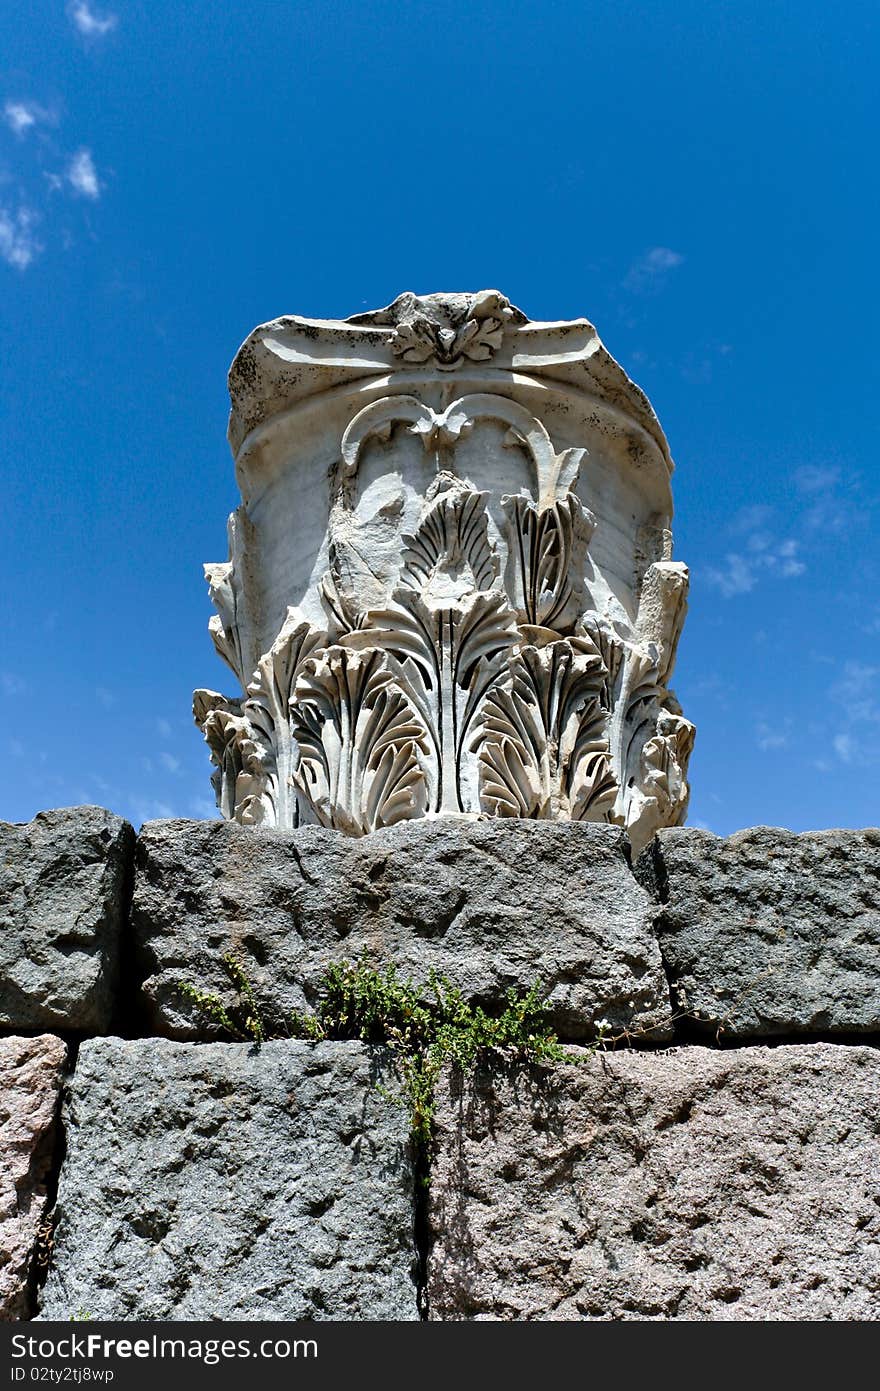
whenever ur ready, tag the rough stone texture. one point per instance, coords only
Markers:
(769, 932)
(227, 1181)
(30, 1080)
(489, 904)
(688, 1184)
(63, 882)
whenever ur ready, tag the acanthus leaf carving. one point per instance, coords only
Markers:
(447, 658)
(361, 742)
(547, 555)
(611, 646)
(450, 552)
(239, 780)
(229, 626)
(267, 710)
(223, 625)
(542, 743)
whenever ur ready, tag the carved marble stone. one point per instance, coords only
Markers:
(450, 588)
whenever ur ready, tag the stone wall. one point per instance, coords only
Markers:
(724, 1166)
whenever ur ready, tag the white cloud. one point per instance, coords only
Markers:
(770, 738)
(163, 727)
(833, 510)
(843, 747)
(18, 243)
(765, 555)
(169, 761)
(737, 577)
(88, 22)
(750, 519)
(82, 175)
(651, 270)
(107, 698)
(12, 684)
(205, 808)
(21, 116)
(857, 691)
(857, 695)
(786, 559)
(814, 479)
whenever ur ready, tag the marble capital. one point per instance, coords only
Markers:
(450, 587)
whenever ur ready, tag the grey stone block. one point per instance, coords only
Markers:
(769, 932)
(226, 1181)
(30, 1080)
(694, 1183)
(490, 904)
(63, 885)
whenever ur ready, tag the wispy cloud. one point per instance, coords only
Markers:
(740, 572)
(651, 271)
(813, 478)
(736, 577)
(770, 737)
(22, 116)
(11, 684)
(750, 519)
(856, 695)
(761, 552)
(18, 240)
(82, 175)
(834, 504)
(107, 698)
(89, 23)
(858, 691)
(163, 728)
(843, 746)
(169, 762)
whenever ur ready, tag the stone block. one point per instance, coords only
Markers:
(63, 887)
(226, 1181)
(693, 1184)
(769, 932)
(30, 1080)
(489, 904)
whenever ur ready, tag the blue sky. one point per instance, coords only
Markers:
(698, 179)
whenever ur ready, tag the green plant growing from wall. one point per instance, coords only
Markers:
(424, 1028)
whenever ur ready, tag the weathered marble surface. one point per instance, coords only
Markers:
(450, 586)
(63, 884)
(222, 1181)
(30, 1080)
(489, 904)
(769, 932)
(688, 1184)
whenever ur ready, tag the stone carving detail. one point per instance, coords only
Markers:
(362, 744)
(456, 646)
(548, 550)
(447, 329)
(543, 746)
